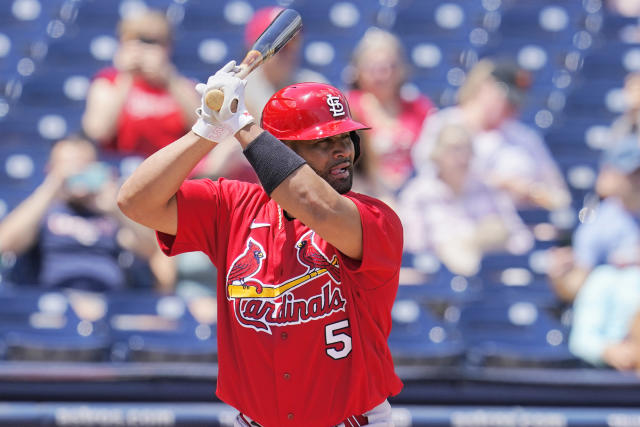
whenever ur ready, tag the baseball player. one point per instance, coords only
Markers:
(307, 270)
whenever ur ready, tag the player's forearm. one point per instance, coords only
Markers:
(316, 204)
(104, 104)
(165, 272)
(19, 229)
(136, 238)
(303, 193)
(567, 285)
(155, 182)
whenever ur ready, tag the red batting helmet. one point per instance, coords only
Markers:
(307, 111)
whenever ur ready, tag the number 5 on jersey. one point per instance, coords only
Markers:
(338, 342)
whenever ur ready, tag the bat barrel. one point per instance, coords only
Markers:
(282, 29)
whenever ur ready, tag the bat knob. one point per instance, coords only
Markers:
(215, 98)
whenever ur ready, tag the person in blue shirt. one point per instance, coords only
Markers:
(609, 232)
(71, 226)
(603, 312)
(607, 250)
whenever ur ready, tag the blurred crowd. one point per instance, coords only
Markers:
(459, 177)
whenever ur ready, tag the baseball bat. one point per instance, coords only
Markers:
(282, 29)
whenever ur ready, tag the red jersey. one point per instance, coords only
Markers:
(150, 118)
(302, 329)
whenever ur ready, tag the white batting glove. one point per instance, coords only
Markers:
(219, 126)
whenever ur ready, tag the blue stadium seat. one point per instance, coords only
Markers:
(613, 26)
(514, 334)
(509, 277)
(328, 55)
(590, 97)
(204, 15)
(26, 15)
(417, 337)
(46, 122)
(15, 43)
(432, 58)
(345, 18)
(103, 15)
(444, 20)
(439, 285)
(41, 325)
(533, 216)
(55, 88)
(147, 327)
(98, 14)
(82, 50)
(23, 165)
(541, 20)
(200, 53)
(571, 134)
(497, 261)
(611, 62)
(25, 32)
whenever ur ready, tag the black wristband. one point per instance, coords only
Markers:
(272, 160)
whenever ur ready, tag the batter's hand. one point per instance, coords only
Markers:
(220, 125)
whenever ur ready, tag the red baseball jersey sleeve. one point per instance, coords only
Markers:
(302, 329)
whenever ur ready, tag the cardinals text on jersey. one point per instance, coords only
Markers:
(261, 305)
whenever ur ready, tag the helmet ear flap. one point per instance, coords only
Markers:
(356, 144)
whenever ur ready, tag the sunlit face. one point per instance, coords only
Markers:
(71, 158)
(332, 158)
(149, 28)
(496, 106)
(380, 71)
(629, 190)
(455, 159)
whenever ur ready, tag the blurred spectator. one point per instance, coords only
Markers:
(72, 229)
(628, 8)
(624, 127)
(507, 153)
(281, 70)
(634, 336)
(142, 103)
(380, 71)
(453, 214)
(603, 313)
(609, 233)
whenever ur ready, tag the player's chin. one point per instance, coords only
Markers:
(341, 185)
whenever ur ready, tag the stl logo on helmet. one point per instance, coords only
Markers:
(335, 106)
(260, 306)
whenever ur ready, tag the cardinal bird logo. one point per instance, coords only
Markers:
(246, 265)
(262, 305)
(310, 255)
